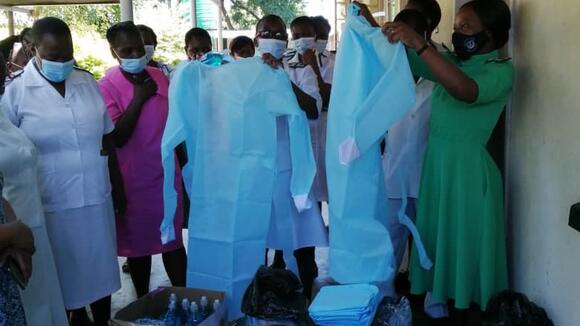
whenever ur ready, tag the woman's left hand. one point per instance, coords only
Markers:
(396, 31)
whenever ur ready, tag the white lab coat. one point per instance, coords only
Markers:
(73, 178)
(289, 229)
(42, 298)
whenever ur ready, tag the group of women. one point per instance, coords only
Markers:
(81, 174)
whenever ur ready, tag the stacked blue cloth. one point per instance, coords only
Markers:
(345, 305)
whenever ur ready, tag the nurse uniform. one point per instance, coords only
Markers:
(73, 178)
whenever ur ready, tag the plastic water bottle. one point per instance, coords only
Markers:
(204, 308)
(216, 305)
(193, 315)
(171, 318)
(184, 311)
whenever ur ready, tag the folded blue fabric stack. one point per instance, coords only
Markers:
(345, 305)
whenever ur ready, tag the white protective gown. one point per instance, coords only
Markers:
(42, 298)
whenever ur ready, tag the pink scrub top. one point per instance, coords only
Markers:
(138, 231)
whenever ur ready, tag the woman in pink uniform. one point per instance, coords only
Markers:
(136, 99)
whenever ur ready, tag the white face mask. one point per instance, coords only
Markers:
(304, 44)
(321, 45)
(276, 48)
(149, 51)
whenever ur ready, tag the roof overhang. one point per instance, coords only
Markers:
(53, 2)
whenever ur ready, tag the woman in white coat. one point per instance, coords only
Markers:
(61, 111)
(42, 298)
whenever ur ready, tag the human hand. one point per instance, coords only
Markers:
(271, 61)
(309, 58)
(397, 31)
(145, 90)
(21, 237)
(365, 11)
(22, 261)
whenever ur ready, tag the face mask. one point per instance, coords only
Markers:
(304, 44)
(149, 51)
(276, 48)
(55, 71)
(321, 45)
(466, 46)
(134, 66)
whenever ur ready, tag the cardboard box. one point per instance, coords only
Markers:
(154, 305)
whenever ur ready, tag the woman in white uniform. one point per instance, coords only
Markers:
(290, 230)
(42, 298)
(61, 111)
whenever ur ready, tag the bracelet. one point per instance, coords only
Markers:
(421, 50)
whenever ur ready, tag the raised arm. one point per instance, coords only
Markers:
(455, 81)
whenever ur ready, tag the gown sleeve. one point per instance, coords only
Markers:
(180, 126)
(282, 101)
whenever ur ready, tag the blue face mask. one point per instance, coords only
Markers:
(304, 44)
(134, 65)
(55, 71)
(276, 48)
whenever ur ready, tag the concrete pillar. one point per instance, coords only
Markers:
(126, 10)
(220, 28)
(193, 10)
(10, 16)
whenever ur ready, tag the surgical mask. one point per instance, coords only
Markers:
(321, 45)
(149, 51)
(276, 48)
(304, 44)
(465, 46)
(56, 71)
(134, 65)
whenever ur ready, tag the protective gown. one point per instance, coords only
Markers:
(372, 89)
(230, 134)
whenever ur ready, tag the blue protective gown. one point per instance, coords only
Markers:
(227, 117)
(372, 89)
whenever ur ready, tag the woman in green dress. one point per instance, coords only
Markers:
(460, 214)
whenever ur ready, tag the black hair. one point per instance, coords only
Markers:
(495, 17)
(321, 23)
(198, 33)
(25, 32)
(146, 29)
(303, 20)
(240, 42)
(127, 27)
(49, 26)
(415, 19)
(270, 18)
(431, 10)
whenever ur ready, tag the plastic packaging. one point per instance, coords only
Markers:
(510, 308)
(274, 295)
(393, 312)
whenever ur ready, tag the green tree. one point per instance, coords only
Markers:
(83, 18)
(246, 13)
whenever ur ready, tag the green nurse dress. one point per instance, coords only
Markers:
(460, 208)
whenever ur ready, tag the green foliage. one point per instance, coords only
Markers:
(94, 65)
(83, 18)
(246, 13)
(169, 47)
